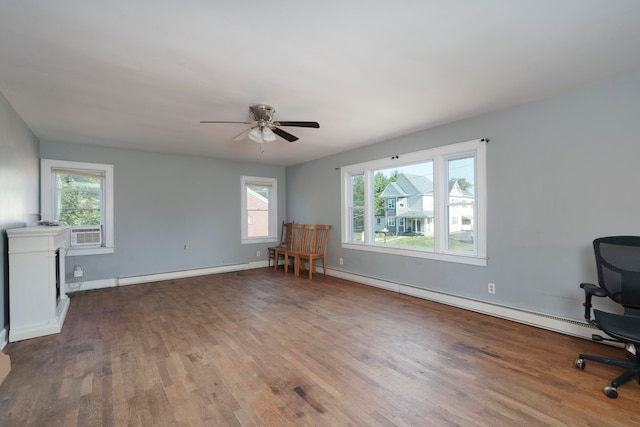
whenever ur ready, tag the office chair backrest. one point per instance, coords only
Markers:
(618, 262)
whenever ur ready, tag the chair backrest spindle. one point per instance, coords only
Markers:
(322, 238)
(297, 234)
(309, 238)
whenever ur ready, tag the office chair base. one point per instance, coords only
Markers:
(632, 371)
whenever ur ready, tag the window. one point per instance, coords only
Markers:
(259, 209)
(443, 193)
(355, 207)
(79, 194)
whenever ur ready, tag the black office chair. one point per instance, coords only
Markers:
(618, 262)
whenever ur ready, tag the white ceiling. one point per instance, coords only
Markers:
(142, 73)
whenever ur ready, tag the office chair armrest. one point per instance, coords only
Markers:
(589, 291)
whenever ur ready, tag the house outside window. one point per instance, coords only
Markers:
(439, 201)
(391, 204)
(259, 209)
(80, 195)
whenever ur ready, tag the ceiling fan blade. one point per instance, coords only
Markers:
(298, 124)
(217, 121)
(285, 135)
(242, 135)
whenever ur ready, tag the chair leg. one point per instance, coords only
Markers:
(626, 376)
(626, 364)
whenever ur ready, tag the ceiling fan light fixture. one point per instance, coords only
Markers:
(256, 135)
(262, 135)
(268, 135)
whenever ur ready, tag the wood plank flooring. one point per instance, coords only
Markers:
(261, 348)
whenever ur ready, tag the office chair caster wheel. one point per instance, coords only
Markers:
(611, 392)
(579, 363)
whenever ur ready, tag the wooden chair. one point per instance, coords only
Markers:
(297, 235)
(306, 245)
(286, 234)
(315, 250)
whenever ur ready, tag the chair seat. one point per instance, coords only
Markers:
(625, 328)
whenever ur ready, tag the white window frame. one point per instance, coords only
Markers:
(48, 190)
(439, 157)
(273, 209)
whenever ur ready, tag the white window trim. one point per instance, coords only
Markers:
(47, 201)
(439, 156)
(273, 209)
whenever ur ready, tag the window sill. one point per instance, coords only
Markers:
(448, 257)
(259, 240)
(88, 251)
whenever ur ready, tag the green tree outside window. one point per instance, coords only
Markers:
(79, 199)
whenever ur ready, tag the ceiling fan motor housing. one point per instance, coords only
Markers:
(262, 112)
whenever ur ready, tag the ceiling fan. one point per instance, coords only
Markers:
(264, 128)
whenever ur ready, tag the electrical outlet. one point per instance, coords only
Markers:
(341, 261)
(492, 288)
(257, 253)
(186, 246)
(77, 271)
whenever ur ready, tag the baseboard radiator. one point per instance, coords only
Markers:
(559, 324)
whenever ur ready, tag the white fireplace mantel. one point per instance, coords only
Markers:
(38, 302)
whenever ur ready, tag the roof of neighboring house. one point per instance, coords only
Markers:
(393, 190)
(408, 185)
(454, 185)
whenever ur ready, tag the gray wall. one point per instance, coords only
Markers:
(19, 188)
(163, 202)
(561, 172)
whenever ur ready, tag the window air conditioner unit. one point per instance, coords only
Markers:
(86, 236)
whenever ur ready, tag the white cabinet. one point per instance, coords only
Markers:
(38, 302)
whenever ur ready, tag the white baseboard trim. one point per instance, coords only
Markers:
(4, 337)
(148, 278)
(553, 323)
(92, 284)
(135, 280)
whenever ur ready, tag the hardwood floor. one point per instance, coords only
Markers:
(261, 348)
